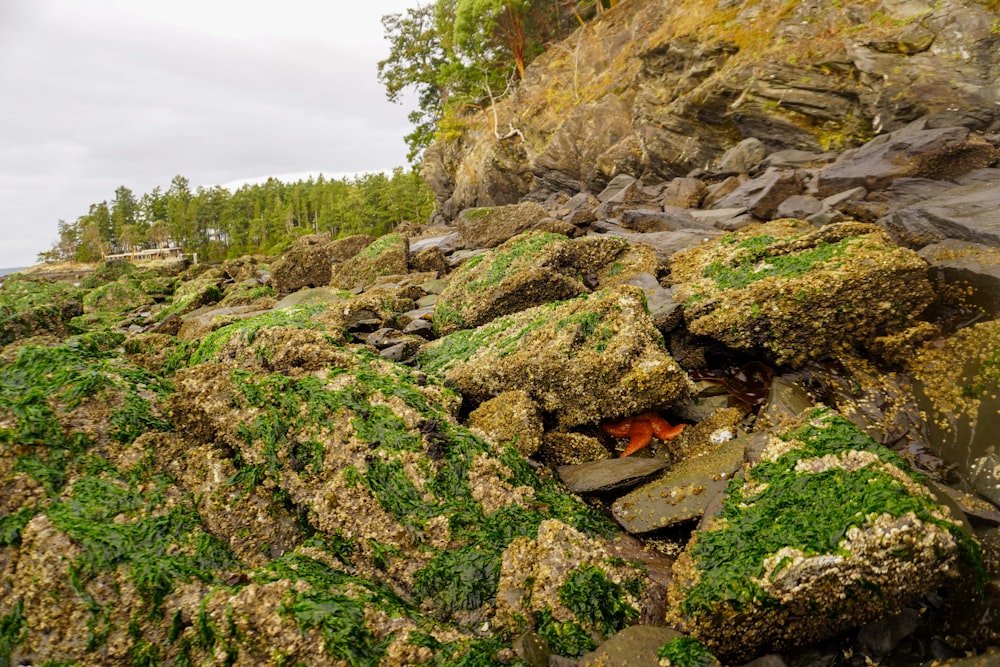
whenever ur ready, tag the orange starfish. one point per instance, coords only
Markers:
(640, 429)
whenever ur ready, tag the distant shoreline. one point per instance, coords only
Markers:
(13, 269)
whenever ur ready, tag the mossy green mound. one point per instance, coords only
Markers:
(829, 531)
(795, 293)
(582, 360)
(31, 306)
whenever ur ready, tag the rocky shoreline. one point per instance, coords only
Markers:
(403, 450)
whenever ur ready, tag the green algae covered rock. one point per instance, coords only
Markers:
(532, 269)
(583, 360)
(796, 293)
(829, 531)
(389, 255)
(191, 295)
(119, 296)
(31, 306)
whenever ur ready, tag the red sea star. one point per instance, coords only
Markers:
(640, 429)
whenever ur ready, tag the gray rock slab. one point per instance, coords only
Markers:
(665, 244)
(649, 220)
(915, 150)
(762, 195)
(968, 213)
(447, 243)
(682, 493)
(798, 206)
(608, 474)
(717, 215)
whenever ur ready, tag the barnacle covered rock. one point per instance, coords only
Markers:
(796, 293)
(827, 532)
(583, 360)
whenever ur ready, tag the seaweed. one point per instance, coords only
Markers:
(597, 601)
(686, 652)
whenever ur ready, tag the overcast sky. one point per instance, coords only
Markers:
(100, 93)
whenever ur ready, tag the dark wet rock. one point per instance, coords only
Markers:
(799, 297)
(532, 649)
(660, 301)
(305, 264)
(984, 473)
(966, 213)
(579, 210)
(882, 636)
(488, 227)
(717, 217)
(956, 384)
(609, 474)
(387, 256)
(682, 493)
(971, 268)
(913, 151)
(420, 326)
(762, 195)
(385, 337)
(402, 351)
(786, 401)
(775, 595)
(583, 360)
(635, 645)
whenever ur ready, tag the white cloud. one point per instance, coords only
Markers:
(102, 93)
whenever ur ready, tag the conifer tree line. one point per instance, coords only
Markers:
(460, 56)
(262, 218)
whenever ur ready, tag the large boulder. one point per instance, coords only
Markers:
(488, 227)
(913, 151)
(581, 360)
(388, 256)
(31, 306)
(967, 213)
(795, 293)
(829, 531)
(535, 268)
(305, 264)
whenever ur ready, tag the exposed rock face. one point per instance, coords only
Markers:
(532, 269)
(826, 554)
(387, 256)
(582, 360)
(306, 264)
(798, 292)
(657, 90)
(489, 227)
(30, 306)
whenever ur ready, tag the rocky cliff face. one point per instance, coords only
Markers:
(657, 89)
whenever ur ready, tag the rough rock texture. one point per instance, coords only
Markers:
(582, 360)
(306, 264)
(797, 292)
(511, 418)
(31, 306)
(828, 531)
(489, 227)
(957, 380)
(387, 256)
(967, 213)
(535, 268)
(968, 266)
(913, 151)
(656, 90)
